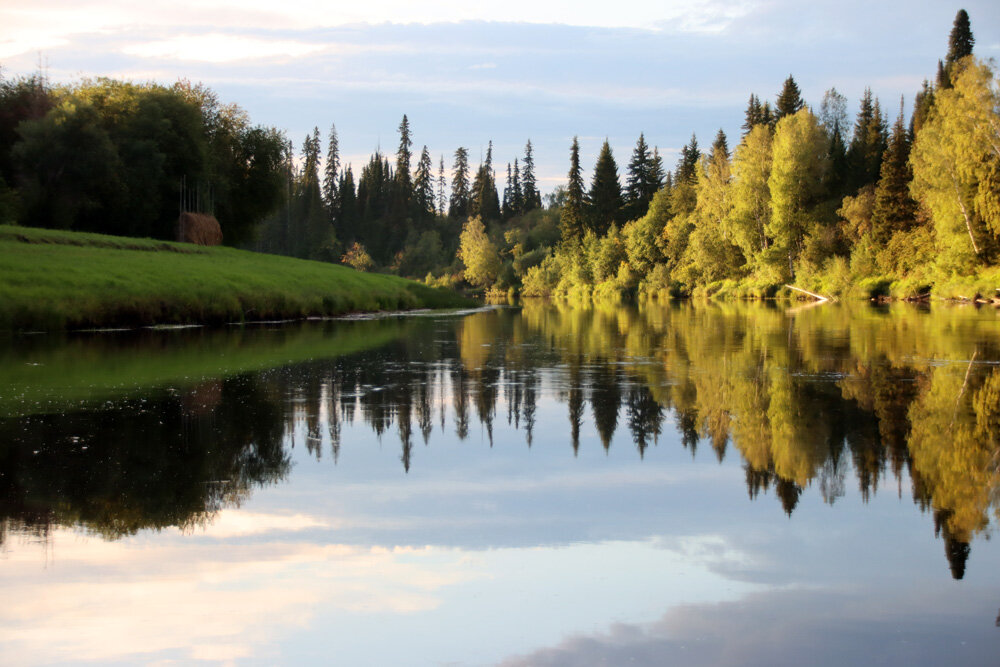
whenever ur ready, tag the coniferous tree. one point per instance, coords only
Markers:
(720, 146)
(754, 115)
(922, 104)
(688, 164)
(769, 116)
(331, 172)
(638, 183)
(960, 43)
(789, 99)
(656, 175)
(516, 193)
(348, 216)
(868, 143)
(605, 197)
(529, 187)
(894, 209)
(506, 206)
(458, 206)
(571, 218)
(423, 187)
(484, 201)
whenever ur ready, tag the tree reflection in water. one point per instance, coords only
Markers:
(811, 397)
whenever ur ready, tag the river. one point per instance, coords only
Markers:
(734, 484)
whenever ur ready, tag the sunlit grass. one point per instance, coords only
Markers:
(61, 280)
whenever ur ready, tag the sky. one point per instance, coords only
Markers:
(470, 73)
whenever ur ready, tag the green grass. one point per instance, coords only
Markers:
(52, 280)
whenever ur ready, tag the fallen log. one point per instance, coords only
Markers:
(818, 297)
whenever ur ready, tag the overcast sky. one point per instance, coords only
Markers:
(467, 73)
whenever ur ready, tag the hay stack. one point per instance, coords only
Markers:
(198, 228)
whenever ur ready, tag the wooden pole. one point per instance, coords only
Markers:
(818, 297)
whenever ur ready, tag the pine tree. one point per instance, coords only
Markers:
(571, 220)
(605, 196)
(458, 206)
(894, 209)
(331, 172)
(529, 187)
(789, 99)
(403, 156)
(484, 201)
(656, 175)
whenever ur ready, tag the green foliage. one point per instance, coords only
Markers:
(789, 100)
(479, 254)
(604, 200)
(572, 217)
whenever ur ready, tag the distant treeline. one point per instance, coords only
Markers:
(806, 196)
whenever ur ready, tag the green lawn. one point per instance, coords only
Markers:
(52, 280)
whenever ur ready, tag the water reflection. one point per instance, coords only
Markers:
(815, 399)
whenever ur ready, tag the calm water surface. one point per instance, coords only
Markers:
(689, 485)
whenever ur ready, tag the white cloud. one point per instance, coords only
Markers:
(221, 48)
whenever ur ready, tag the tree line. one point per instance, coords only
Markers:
(806, 196)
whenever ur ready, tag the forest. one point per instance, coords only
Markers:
(883, 205)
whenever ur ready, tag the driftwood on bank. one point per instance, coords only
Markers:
(818, 297)
(199, 228)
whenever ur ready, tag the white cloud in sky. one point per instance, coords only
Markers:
(222, 48)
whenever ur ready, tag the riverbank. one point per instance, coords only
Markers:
(54, 280)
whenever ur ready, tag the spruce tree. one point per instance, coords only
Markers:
(331, 172)
(506, 206)
(960, 41)
(529, 188)
(404, 155)
(687, 166)
(571, 218)
(720, 146)
(637, 194)
(922, 104)
(868, 143)
(789, 99)
(656, 175)
(484, 201)
(458, 206)
(894, 209)
(423, 187)
(754, 115)
(348, 217)
(605, 196)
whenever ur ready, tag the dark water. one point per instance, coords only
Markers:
(712, 485)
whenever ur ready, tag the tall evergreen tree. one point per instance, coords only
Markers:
(458, 206)
(922, 104)
(687, 166)
(789, 99)
(516, 194)
(720, 147)
(754, 115)
(571, 218)
(506, 206)
(868, 143)
(639, 188)
(404, 155)
(331, 172)
(529, 187)
(348, 216)
(894, 209)
(484, 201)
(423, 187)
(605, 197)
(960, 41)
(656, 175)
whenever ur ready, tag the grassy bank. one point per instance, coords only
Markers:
(63, 280)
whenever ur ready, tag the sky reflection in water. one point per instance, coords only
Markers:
(679, 485)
